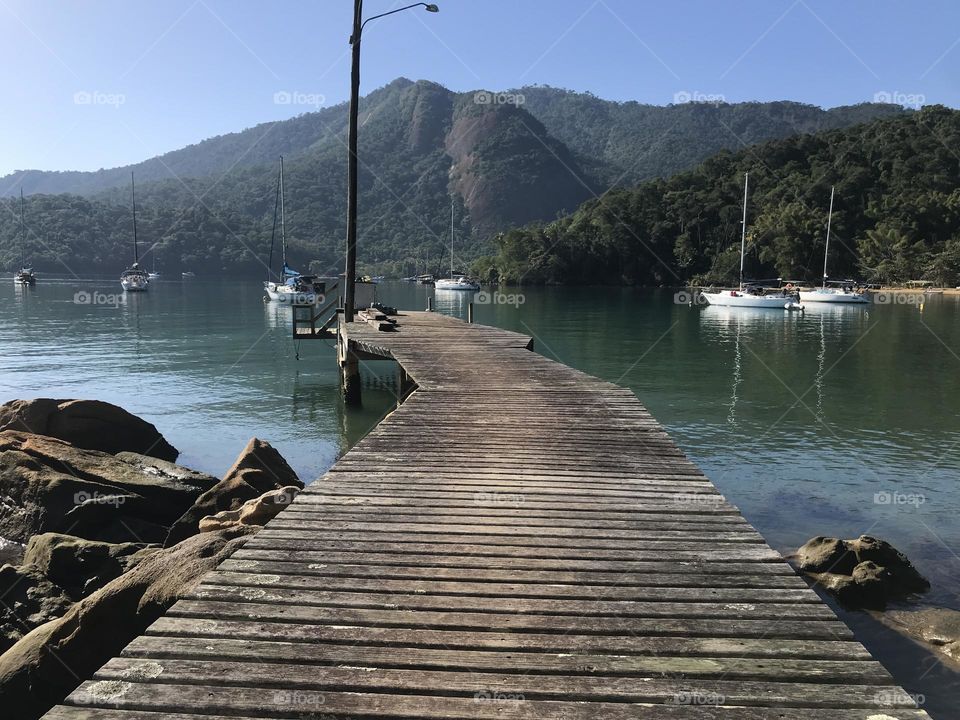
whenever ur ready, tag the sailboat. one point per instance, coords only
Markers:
(154, 273)
(456, 281)
(134, 278)
(843, 290)
(750, 294)
(293, 287)
(23, 276)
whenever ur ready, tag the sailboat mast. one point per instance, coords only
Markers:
(283, 233)
(826, 250)
(743, 231)
(451, 238)
(133, 203)
(23, 259)
(273, 231)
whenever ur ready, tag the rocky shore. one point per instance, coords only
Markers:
(114, 532)
(870, 574)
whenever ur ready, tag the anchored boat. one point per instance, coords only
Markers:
(456, 281)
(23, 276)
(752, 294)
(293, 287)
(134, 278)
(842, 291)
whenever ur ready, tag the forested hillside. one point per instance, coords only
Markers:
(423, 148)
(896, 215)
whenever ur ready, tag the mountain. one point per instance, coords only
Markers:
(896, 216)
(629, 142)
(501, 160)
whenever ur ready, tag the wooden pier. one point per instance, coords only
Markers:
(517, 540)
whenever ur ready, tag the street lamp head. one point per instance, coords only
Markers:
(430, 7)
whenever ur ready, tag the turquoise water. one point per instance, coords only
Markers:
(838, 421)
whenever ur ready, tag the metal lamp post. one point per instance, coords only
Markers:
(350, 276)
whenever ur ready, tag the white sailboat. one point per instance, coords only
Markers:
(456, 281)
(843, 291)
(293, 288)
(23, 276)
(134, 278)
(749, 295)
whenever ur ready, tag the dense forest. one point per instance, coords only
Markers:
(501, 164)
(896, 215)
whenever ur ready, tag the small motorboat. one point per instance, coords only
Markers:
(188, 275)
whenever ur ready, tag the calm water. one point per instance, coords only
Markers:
(840, 421)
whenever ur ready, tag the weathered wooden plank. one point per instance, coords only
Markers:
(272, 702)
(468, 684)
(618, 568)
(210, 590)
(847, 672)
(668, 575)
(831, 629)
(552, 590)
(180, 626)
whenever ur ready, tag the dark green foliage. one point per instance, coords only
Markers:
(896, 216)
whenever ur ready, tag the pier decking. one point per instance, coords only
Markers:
(516, 540)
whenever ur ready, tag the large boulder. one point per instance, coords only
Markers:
(51, 486)
(88, 424)
(29, 599)
(81, 566)
(902, 574)
(44, 666)
(861, 573)
(826, 555)
(258, 470)
(258, 511)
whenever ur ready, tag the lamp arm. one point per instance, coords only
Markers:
(360, 32)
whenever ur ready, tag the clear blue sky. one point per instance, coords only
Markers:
(100, 83)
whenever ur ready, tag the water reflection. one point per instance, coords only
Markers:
(452, 302)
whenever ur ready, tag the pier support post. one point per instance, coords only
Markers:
(429, 304)
(470, 313)
(349, 369)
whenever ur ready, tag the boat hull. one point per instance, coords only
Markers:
(819, 296)
(725, 298)
(453, 285)
(134, 285)
(280, 294)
